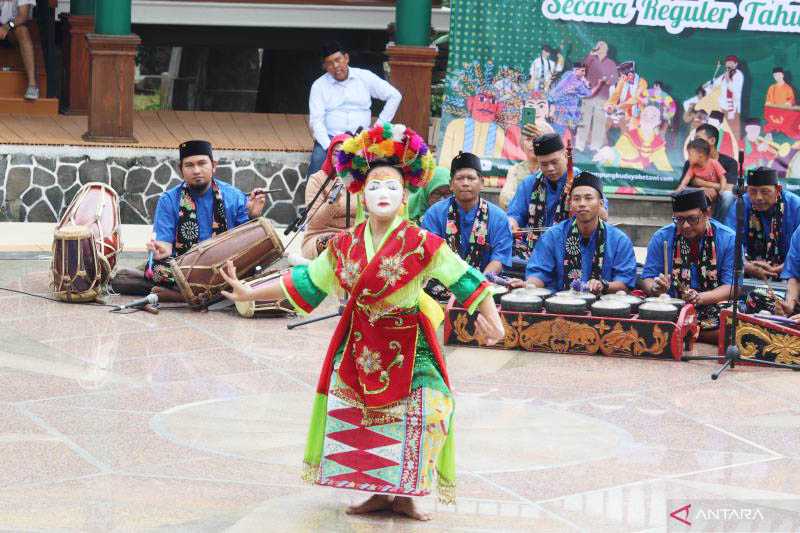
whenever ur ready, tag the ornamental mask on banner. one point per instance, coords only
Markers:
(626, 82)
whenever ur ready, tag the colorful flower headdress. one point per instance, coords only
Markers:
(401, 146)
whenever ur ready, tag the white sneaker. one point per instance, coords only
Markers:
(32, 93)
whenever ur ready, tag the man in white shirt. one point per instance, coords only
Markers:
(730, 94)
(341, 100)
(14, 17)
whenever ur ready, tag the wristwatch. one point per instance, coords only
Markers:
(12, 25)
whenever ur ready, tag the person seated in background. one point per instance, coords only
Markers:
(194, 211)
(771, 216)
(523, 169)
(584, 248)
(703, 172)
(699, 263)
(14, 18)
(474, 228)
(423, 198)
(541, 199)
(711, 134)
(791, 273)
(328, 215)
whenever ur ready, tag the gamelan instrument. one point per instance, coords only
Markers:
(250, 246)
(571, 322)
(266, 308)
(498, 291)
(95, 208)
(75, 268)
(762, 337)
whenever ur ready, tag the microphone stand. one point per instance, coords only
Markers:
(732, 353)
(302, 215)
(340, 311)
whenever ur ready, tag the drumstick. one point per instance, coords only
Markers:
(268, 191)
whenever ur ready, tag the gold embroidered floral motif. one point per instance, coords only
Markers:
(350, 272)
(391, 269)
(369, 361)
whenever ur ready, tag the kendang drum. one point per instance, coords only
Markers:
(265, 308)
(75, 268)
(96, 207)
(197, 272)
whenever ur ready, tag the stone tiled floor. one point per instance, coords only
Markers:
(196, 422)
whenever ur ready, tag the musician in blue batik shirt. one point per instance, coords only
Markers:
(584, 248)
(194, 211)
(542, 199)
(791, 273)
(771, 215)
(476, 229)
(699, 263)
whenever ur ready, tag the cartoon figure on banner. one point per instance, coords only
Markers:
(666, 104)
(729, 141)
(730, 85)
(628, 97)
(544, 70)
(787, 159)
(477, 132)
(690, 105)
(757, 149)
(487, 105)
(511, 91)
(601, 73)
(779, 93)
(641, 147)
(781, 113)
(565, 101)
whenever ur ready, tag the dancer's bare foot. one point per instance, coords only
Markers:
(406, 506)
(375, 503)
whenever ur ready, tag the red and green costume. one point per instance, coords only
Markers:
(382, 419)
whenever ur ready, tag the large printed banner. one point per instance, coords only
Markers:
(625, 82)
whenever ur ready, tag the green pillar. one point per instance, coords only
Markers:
(113, 17)
(81, 7)
(413, 22)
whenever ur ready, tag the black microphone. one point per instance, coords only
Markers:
(337, 190)
(151, 299)
(301, 214)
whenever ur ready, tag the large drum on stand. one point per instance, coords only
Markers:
(86, 244)
(75, 268)
(197, 272)
(96, 206)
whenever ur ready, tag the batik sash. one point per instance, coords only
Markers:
(708, 315)
(573, 262)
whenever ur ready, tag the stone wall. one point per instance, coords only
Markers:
(38, 189)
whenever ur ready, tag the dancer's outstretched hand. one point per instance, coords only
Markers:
(489, 329)
(239, 291)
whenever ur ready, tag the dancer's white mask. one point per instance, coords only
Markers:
(383, 193)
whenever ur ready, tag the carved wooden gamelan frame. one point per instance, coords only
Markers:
(580, 334)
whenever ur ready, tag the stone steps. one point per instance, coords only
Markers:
(639, 228)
